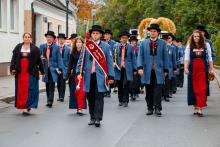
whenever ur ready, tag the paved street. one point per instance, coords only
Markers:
(122, 127)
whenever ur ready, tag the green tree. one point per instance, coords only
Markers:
(186, 14)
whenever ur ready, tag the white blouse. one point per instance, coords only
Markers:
(24, 50)
(187, 52)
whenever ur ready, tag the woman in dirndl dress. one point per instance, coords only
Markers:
(25, 65)
(198, 64)
(77, 97)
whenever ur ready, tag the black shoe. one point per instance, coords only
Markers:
(126, 104)
(92, 122)
(97, 123)
(195, 113)
(158, 113)
(150, 112)
(174, 92)
(108, 95)
(80, 113)
(60, 99)
(25, 113)
(133, 98)
(120, 104)
(200, 114)
(166, 99)
(49, 105)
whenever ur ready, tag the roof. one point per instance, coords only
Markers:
(57, 4)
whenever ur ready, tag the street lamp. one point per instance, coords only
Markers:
(67, 17)
(93, 15)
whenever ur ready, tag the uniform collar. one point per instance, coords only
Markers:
(49, 44)
(155, 39)
(124, 44)
(62, 45)
(108, 41)
(98, 42)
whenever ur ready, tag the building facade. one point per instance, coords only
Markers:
(35, 16)
(11, 30)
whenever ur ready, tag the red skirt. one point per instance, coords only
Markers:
(23, 85)
(80, 94)
(199, 82)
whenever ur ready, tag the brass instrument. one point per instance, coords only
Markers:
(115, 59)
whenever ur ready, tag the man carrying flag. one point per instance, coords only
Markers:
(98, 73)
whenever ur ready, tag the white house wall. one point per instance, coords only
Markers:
(55, 16)
(9, 38)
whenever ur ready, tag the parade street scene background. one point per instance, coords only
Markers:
(109, 73)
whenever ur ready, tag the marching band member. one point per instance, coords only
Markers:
(65, 53)
(136, 84)
(172, 67)
(153, 67)
(98, 73)
(53, 66)
(107, 37)
(125, 67)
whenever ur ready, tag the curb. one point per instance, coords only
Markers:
(10, 98)
(216, 66)
(217, 78)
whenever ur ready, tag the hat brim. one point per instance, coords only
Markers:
(108, 33)
(133, 39)
(128, 35)
(173, 37)
(61, 37)
(72, 37)
(98, 30)
(50, 35)
(152, 28)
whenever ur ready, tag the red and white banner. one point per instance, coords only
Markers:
(99, 56)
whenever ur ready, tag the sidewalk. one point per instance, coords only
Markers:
(217, 74)
(7, 88)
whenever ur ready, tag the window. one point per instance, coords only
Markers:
(14, 15)
(3, 14)
(0, 13)
(49, 26)
(59, 29)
